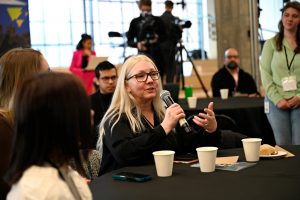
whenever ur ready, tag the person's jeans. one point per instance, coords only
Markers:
(285, 124)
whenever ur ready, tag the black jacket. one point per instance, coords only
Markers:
(123, 148)
(223, 79)
(99, 104)
(144, 29)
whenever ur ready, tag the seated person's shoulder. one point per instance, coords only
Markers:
(43, 182)
(220, 73)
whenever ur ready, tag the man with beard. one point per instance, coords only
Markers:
(231, 76)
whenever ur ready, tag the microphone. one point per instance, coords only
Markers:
(166, 97)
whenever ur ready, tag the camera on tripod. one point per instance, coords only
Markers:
(182, 23)
(177, 28)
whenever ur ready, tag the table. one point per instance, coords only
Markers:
(247, 112)
(268, 179)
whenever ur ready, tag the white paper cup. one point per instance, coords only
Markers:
(192, 102)
(224, 93)
(164, 162)
(207, 158)
(251, 149)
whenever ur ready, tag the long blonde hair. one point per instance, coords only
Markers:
(124, 103)
(15, 66)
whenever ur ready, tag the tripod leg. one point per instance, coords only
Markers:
(196, 72)
(179, 61)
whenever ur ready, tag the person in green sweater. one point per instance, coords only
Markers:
(280, 73)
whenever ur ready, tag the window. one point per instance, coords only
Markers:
(56, 26)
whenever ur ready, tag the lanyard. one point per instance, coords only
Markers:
(287, 61)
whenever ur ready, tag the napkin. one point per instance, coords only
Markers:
(223, 161)
(289, 154)
(226, 160)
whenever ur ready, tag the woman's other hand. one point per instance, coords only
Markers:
(283, 104)
(208, 120)
(294, 102)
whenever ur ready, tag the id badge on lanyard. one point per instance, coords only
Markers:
(289, 83)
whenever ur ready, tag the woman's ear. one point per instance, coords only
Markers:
(128, 89)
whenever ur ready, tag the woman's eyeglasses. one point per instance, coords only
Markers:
(142, 77)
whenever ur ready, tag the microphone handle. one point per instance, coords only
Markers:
(184, 124)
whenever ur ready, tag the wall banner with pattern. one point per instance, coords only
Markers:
(14, 25)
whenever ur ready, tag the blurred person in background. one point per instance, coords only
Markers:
(232, 77)
(173, 35)
(80, 61)
(146, 33)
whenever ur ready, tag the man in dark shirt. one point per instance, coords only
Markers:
(106, 79)
(173, 35)
(231, 76)
(146, 32)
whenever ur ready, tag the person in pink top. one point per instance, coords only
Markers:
(80, 61)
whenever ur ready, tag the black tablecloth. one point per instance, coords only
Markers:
(247, 112)
(268, 179)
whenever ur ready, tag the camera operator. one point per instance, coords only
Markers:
(174, 27)
(173, 33)
(146, 32)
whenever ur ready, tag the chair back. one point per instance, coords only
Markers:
(225, 122)
(230, 137)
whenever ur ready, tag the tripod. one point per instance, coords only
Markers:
(179, 60)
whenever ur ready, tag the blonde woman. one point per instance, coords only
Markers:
(15, 66)
(136, 123)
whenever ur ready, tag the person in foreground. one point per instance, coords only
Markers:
(280, 73)
(137, 123)
(231, 76)
(16, 65)
(48, 135)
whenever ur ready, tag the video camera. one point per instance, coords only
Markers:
(147, 32)
(183, 23)
(177, 28)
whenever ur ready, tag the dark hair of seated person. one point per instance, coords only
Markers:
(105, 65)
(52, 123)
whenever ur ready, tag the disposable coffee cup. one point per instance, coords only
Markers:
(192, 102)
(224, 93)
(164, 162)
(207, 158)
(251, 149)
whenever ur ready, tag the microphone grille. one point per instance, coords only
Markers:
(164, 93)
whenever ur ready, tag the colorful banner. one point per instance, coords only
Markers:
(14, 25)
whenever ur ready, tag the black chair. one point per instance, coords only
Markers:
(225, 122)
(230, 138)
